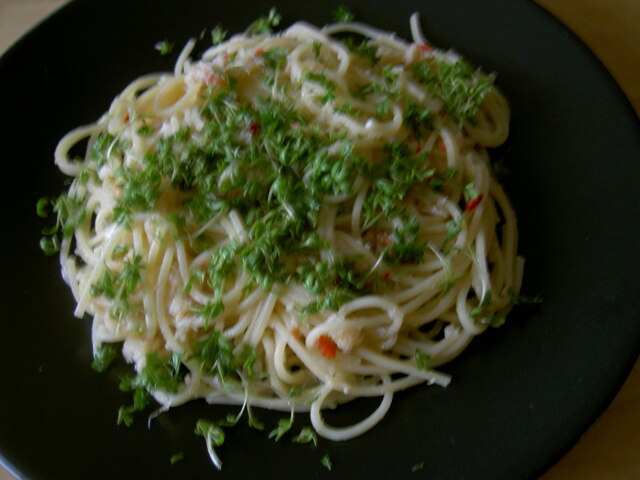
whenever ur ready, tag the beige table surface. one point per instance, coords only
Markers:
(610, 450)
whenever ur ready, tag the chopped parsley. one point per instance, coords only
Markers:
(519, 299)
(265, 24)
(157, 374)
(176, 457)
(215, 354)
(322, 79)
(165, 47)
(454, 227)
(485, 316)
(419, 119)
(456, 84)
(306, 435)
(363, 49)
(405, 247)
(284, 425)
(103, 356)
(214, 437)
(70, 212)
(343, 14)
(392, 179)
(118, 286)
(469, 191)
(317, 46)
(326, 462)
(423, 361)
(218, 35)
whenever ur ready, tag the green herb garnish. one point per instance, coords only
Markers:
(284, 425)
(423, 361)
(343, 14)
(306, 435)
(118, 286)
(103, 356)
(176, 457)
(218, 35)
(326, 462)
(214, 437)
(165, 47)
(265, 24)
(461, 90)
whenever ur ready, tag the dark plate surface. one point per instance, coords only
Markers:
(521, 395)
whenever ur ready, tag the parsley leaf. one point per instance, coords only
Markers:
(306, 435)
(165, 47)
(519, 299)
(103, 356)
(326, 462)
(218, 35)
(419, 118)
(214, 437)
(454, 227)
(176, 457)
(157, 374)
(392, 179)
(215, 353)
(461, 90)
(364, 49)
(160, 374)
(119, 286)
(42, 207)
(317, 46)
(342, 14)
(321, 78)
(264, 24)
(141, 190)
(423, 361)
(405, 248)
(284, 425)
(70, 212)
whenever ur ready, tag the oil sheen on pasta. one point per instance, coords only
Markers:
(293, 221)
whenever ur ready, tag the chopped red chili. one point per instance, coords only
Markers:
(327, 346)
(473, 203)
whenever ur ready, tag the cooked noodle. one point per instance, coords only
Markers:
(426, 307)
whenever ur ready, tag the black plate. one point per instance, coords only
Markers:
(521, 395)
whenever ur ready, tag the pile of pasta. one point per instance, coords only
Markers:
(363, 154)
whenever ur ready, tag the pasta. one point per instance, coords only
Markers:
(293, 221)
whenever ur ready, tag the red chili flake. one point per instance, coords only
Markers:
(442, 146)
(473, 203)
(418, 148)
(211, 78)
(126, 118)
(424, 47)
(258, 53)
(255, 129)
(385, 276)
(327, 346)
